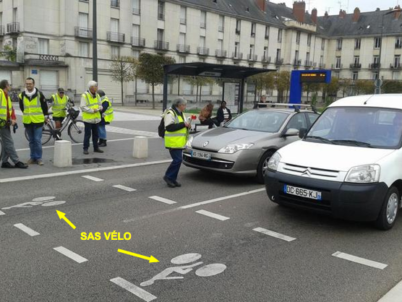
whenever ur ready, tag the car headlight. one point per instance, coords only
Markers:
(364, 174)
(189, 142)
(234, 148)
(274, 161)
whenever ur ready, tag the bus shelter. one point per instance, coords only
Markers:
(219, 71)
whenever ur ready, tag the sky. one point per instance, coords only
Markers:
(333, 6)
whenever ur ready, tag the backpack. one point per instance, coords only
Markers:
(161, 127)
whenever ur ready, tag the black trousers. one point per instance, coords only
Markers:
(91, 129)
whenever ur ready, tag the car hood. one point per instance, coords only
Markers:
(219, 138)
(330, 157)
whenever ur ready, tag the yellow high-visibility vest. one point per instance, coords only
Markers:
(59, 105)
(3, 105)
(109, 113)
(33, 113)
(176, 139)
(93, 103)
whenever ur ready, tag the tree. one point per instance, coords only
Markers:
(312, 87)
(364, 87)
(282, 83)
(9, 53)
(344, 86)
(151, 71)
(262, 81)
(392, 86)
(123, 70)
(199, 82)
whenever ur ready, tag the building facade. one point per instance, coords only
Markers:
(53, 40)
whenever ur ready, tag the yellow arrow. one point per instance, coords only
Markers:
(63, 216)
(151, 259)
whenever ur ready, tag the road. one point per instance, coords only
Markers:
(218, 237)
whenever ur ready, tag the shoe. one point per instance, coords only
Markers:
(21, 165)
(98, 151)
(39, 162)
(177, 184)
(169, 182)
(31, 162)
(86, 152)
(102, 143)
(7, 165)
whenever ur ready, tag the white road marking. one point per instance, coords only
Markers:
(25, 229)
(139, 292)
(161, 199)
(212, 215)
(274, 234)
(119, 130)
(124, 188)
(46, 198)
(70, 254)
(92, 178)
(359, 260)
(221, 198)
(51, 175)
(2, 213)
(394, 295)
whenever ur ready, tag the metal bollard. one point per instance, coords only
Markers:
(62, 154)
(140, 147)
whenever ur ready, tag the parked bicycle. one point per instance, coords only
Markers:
(75, 128)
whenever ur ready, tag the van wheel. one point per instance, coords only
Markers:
(263, 166)
(389, 210)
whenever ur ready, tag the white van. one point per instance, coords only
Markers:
(349, 164)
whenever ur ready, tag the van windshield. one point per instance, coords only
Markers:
(359, 126)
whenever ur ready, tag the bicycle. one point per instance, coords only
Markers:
(75, 128)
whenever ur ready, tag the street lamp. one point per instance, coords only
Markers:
(378, 82)
(94, 45)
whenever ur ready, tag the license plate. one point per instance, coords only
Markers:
(201, 155)
(306, 193)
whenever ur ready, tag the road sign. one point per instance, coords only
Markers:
(298, 77)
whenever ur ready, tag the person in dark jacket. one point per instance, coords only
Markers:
(107, 118)
(34, 108)
(223, 114)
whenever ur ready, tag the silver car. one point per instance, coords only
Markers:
(244, 145)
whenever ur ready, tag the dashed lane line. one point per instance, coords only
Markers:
(161, 199)
(394, 295)
(212, 215)
(274, 234)
(66, 252)
(25, 229)
(360, 260)
(135, 290)
(2, 213)
(92, 178)
(124, 188)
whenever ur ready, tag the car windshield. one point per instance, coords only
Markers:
(359, 126)
(259, 120)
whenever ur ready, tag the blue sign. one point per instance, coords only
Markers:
(298, 77)
(34, 71)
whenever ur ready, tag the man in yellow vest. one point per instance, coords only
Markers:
(107, 118)
(34, 108)
(59, 103)
(91, 107)
(176, 136)
(7, 119)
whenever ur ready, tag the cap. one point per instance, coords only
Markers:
(60, 90)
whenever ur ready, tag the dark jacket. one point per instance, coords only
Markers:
(220, 116)
(105, 106)
(176, 127)
(43, 104)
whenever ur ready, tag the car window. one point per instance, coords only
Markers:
(298, 121)
(312, 117)
(259, 120)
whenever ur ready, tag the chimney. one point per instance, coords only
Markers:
(299, 9)
(342, 14)
(397, 13)
(262, 4)
(314, 15)
(356, 15)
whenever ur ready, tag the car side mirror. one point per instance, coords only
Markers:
(302, 132)
(291, 132)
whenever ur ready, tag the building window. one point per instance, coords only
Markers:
(115, 3)
(160, 35)
(267, 32)
(375, 75)
(182, 39)
(398, 42)
(280, 36)
(253, 25)
(339, 44)
(221, 24)
(84, 49)
(43, 46)
(136, 7)
(114, 25)
(357, 60)
(308, 59)
(183, 15)
(298, 37)
(15, 15)
(238, 26)
(278, 55)
(338, 63)
(358, 43)
(355, 76)
(83, 20)
(136, 54)
(251, 50)
(377, 42)
(321, 61)
(115, 52)
(397, 61)
(161, 10)
(203, 23)
(376, 60)
(220, 44)
(265, 52)
(309, 40)
(202, 43)
(323, 44)
(237, 48)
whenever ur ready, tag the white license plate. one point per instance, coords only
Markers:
(201, 155)
(306, 193)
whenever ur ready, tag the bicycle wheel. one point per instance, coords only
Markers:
(76, 131)
(46, 134)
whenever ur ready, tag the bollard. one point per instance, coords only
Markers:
(140, 148)
(62, 154)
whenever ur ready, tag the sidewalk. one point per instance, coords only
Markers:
(139, 110)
